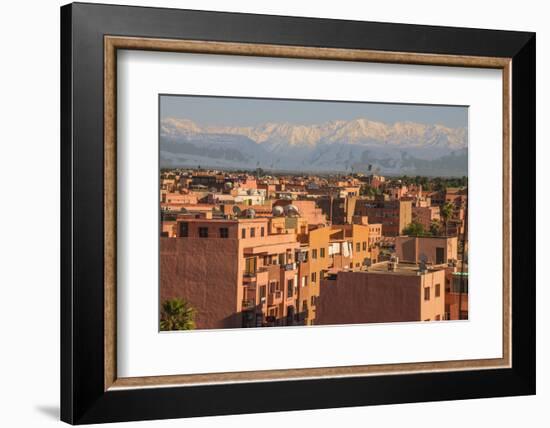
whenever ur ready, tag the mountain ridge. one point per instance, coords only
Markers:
(339, 145)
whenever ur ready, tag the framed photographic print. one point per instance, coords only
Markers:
(266, 213)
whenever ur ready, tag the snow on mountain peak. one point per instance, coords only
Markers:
(356, 131)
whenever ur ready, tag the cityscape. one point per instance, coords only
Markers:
(270, 245)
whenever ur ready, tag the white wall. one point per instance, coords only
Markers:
(29, 162)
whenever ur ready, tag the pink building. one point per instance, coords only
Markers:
(431, 249)
(425, 215)
(383, 294)
(235, 273)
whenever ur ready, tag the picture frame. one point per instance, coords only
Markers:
(91, 35)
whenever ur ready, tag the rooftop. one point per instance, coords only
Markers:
(402, 268)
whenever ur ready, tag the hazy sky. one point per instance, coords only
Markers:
(229, 111)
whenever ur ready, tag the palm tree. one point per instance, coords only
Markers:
(446, 214)
(177, 314)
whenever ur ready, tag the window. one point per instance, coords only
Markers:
(306, 279)
(314, 277)
(314, 254)
(252, 232)
(437, 290)
(289, 288)
(364, 245)
(243, 233)
(262, 231)
(184, 229)
(322, 250)
(250, 266)
(262, 291)
(224, 232)
(312, 300)
(203, 232)
(281, 259)
(426, 293)
(358, 247)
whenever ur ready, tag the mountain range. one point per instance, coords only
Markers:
(359, 145)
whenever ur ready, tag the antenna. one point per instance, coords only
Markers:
(237, 211)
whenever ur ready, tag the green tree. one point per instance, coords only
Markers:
(446, 213)
(435, 228)
(177, 314)
(415, 229)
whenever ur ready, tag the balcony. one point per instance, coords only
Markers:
(275, 298)
(250, 278)
(289, 266)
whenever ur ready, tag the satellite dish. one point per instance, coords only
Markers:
(250, 213)
(236, 210)
(278, 211)
(423, 258)
(292, 210)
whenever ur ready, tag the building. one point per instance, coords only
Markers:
(426, 215)
(339, 210)
(429, 249)
(307, 209)
(235, 273)
(394, 215)
(456, 296)
(387, 292)
(326, 250)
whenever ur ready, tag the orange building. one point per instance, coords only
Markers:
(325, 250)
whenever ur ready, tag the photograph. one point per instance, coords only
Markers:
(293, 213)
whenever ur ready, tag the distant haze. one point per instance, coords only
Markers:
(295, 135)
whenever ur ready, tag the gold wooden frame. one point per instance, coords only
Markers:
(113, 43)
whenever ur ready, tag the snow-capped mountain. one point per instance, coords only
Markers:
(359, 145)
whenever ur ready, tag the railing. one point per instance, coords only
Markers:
(289, 266)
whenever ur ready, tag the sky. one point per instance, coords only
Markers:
(230, 111)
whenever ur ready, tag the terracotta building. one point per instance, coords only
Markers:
(230, 271)
(339, 210)
(394, 215)
(456, 296)
(426, 215)
(386, 293)
(430, 249)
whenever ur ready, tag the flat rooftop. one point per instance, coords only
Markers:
(411, 269)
